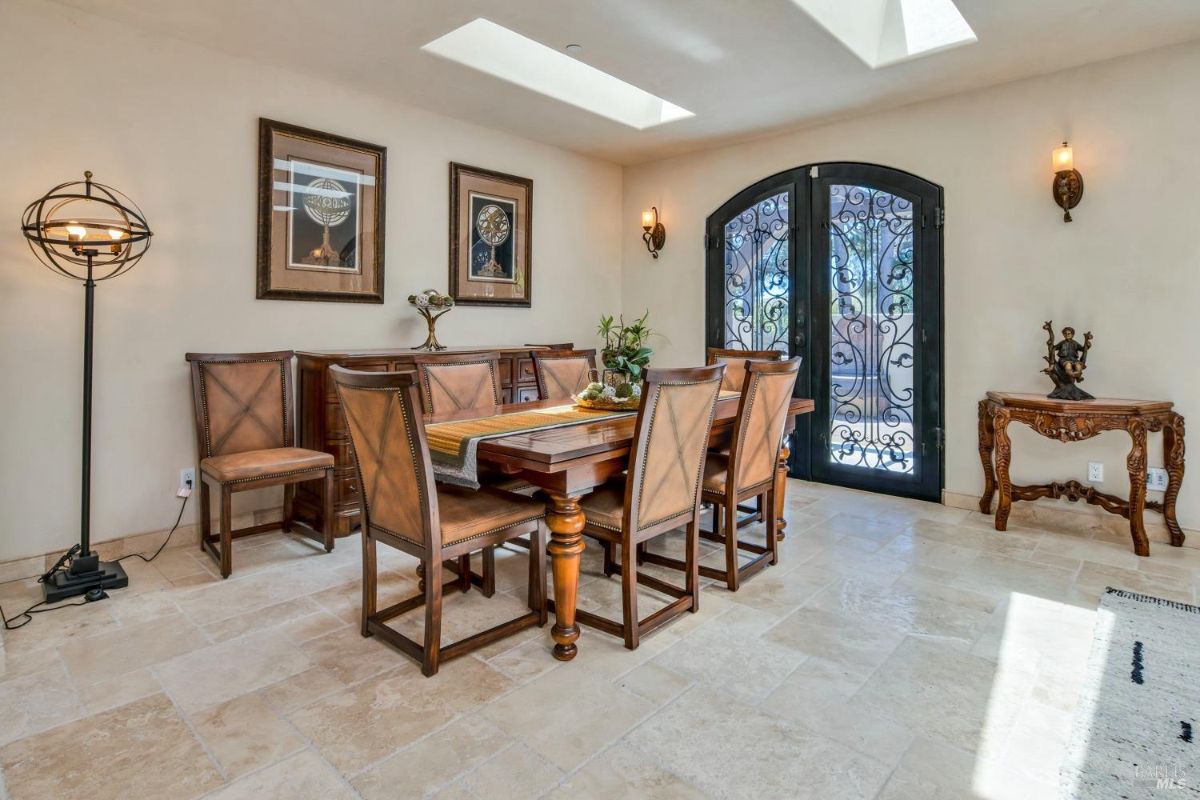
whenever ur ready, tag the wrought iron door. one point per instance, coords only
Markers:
(860, 246)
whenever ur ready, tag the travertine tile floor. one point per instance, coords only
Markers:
(899, 650)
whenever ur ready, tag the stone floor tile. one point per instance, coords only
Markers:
(245, 734)
(591, 713)
(517, 773)
(140, 750)
(304, 776)
(433, 762)
(754, 754)
(232, 668)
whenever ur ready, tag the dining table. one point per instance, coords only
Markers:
(568, 462)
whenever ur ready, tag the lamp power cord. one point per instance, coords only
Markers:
(61, 564)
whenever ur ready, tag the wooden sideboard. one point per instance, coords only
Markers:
(321, 426)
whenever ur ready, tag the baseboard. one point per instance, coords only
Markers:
(1063, 514)
(145, 543)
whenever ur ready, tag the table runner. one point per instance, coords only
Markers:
(453, 445)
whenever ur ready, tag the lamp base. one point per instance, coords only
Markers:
(86, 572)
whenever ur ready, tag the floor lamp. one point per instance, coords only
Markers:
(88, 232)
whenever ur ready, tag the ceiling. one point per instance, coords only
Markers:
(744, 67)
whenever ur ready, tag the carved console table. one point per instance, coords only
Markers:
(1074, 421)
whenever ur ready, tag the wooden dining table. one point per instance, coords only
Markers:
(568, 463)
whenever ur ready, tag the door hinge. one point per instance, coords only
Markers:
(814, 172)
(939, 437)
(939, 217)
(707, 244)
(924, 338)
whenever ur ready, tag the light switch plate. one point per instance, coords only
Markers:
(1156, 479)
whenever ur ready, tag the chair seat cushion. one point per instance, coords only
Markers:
(716, 473)
(716, 477)
(466, 514)
(255, 464)
(605, 506)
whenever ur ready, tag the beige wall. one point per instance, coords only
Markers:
(1127, 269)
(175, 127)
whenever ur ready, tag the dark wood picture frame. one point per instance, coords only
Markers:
(268, 253)
(522, 237)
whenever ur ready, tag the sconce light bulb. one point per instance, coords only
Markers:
(76, 232)
(648, 219)
(1063, 158)
(116, 234)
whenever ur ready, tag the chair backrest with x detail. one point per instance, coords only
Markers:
(383, 416)
(242, 401)
(670, 441)
(458, 382)
(735, 363)
(562, 374)
(762, 413)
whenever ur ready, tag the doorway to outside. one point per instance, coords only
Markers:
(841, 263)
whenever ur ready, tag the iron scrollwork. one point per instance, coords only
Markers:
(872, 386)
(757, 277)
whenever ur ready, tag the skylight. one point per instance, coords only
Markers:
(494, 49)
(886, 32)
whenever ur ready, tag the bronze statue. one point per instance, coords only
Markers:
(1065, 363)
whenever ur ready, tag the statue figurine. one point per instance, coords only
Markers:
(1065, 363)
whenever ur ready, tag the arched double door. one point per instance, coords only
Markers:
(841, 263)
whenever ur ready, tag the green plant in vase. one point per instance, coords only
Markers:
(625, 353)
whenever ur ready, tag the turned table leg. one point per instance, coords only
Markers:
(987, 443)
(1173, 452)
(1003, 458)
(781, 474)
(565, 521)
(1136, 464)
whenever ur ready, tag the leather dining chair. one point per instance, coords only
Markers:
(458, 381)
(735, 376)
(747, 471)
(661, 492)
(463, 382)
(735, 363)
(562, 374)
(404, 508)
(245, 439)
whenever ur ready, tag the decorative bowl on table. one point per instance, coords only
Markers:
(607, 397)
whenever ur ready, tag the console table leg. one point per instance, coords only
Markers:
(1173, 450)
(987, 443)
(1136, 464)
(1003, 458)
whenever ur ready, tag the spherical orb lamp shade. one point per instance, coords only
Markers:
(84, 229)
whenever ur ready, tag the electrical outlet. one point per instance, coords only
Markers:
(1096, 471)
(1156, 480)
(187, 481)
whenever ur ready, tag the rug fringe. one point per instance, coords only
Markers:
(1145, 598)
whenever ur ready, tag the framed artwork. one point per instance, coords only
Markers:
(320, 216)
(491, 229)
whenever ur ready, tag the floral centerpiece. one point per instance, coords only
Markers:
(625, 357)
(431, 304)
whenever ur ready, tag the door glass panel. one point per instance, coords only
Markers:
(757, 276)
(871, 388)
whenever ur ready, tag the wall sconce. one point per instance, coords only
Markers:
(655, 235)
(1068, 183)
